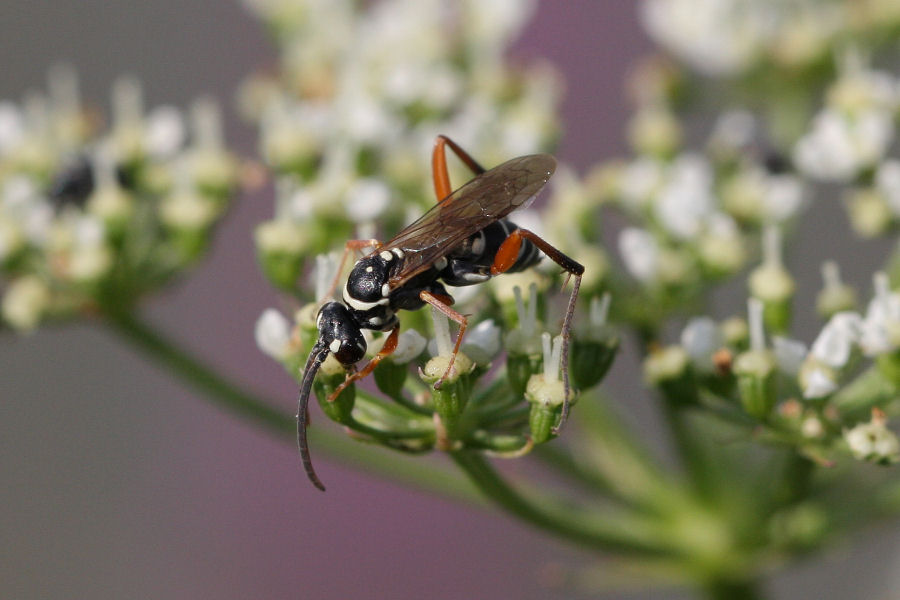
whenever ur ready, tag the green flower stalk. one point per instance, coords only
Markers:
(772, 284)
(755, 369)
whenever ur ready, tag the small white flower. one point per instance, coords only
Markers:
(881, 328)
(165, 132)
(12, 126)
(482, 342)
(873, 441)
(837, 148)
(818, 383)
(367, 199)
(887, 179)
(812, 427)
(409, 345)
(327, 266)
(640, 252)
(700, 339)
(837, 339)
(784, 197)
(789, 354)
(639, 182)
(273, 334)
(24, 303)
(187, 211)
(734, 129)
(89, 263)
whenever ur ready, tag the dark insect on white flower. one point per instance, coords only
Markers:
(463, 240)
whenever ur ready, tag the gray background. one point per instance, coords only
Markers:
(117, 482)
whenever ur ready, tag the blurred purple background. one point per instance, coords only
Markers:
(118, 482)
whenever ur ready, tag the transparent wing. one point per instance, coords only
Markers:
(486, 198)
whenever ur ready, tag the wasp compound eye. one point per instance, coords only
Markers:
(339, 332)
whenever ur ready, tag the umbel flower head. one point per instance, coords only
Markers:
(93, 218)
(362, 91)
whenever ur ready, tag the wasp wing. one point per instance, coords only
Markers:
(486, 198)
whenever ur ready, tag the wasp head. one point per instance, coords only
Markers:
(340, 333)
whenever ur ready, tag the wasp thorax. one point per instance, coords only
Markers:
(340, 333)
(367, 283)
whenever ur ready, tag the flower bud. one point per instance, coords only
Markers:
(25, 303)
(735, 332)
(546, 393)
(451, 397)
(772, 284)
(280, 246)
(836, 296)
(669, 369)
(593, 351)
(654, 130)
(870, 215)
(331, 375)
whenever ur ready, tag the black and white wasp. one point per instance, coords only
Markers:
(464, 239)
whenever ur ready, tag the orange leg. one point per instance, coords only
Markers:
(439, 172)
(348, 248)
(506, 258)
(390, 344)
(442, 303)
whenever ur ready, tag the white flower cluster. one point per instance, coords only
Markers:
(691, 203)
(364, 90)
(854, 129)
(730, 37)
(72, 197)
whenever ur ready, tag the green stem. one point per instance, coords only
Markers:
(225, 394)
(620, 532)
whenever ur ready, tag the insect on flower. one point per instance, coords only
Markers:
(464, 239)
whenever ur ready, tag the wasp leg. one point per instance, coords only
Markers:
(442, 303)
(349, 247)
(390, 344)
(439, 172)
(506, 258)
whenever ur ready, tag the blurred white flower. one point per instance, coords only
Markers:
(640, 253)
(482, 342)
(818, 383)
(881, 327)
(837, 339)
(24, 302)
(873, 441)
(12, 127)
(686, 199)
(700, 339)
(273, 334)
(367, 199)
(838, 147)
(410, 344)
(165, 131)
(789, 354)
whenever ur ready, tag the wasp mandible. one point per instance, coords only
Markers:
(464, 239)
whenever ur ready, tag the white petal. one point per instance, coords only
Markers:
(789, 355)
(273, 333)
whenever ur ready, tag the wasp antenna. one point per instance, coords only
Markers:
(316, 358)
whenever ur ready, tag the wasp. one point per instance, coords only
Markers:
(465, 239)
